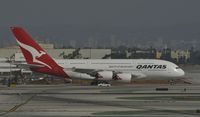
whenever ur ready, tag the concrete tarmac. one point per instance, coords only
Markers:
(120, 101)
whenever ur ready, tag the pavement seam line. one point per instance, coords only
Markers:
(17, 106)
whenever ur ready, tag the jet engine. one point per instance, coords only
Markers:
(104, 75)
(123, 77)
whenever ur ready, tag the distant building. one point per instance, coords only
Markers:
(176, 56)
(158, 54)
(180, 56)
(59, 53)
(142, 54)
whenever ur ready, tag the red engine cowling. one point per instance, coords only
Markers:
(123, 77)
(104, 75)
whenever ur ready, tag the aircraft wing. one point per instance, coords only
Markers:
(88, 71)
(108, 75)
(137, 75)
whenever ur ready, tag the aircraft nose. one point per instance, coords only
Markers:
(181, 72)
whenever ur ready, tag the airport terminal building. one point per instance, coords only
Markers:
(9, 51)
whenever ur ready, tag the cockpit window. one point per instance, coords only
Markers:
(178, 68)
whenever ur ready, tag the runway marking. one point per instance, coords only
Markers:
(146, 111)
(17, 106)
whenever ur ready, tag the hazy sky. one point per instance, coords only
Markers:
(115, 14)
(138, 13)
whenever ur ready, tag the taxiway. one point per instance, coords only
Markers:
(67, 100)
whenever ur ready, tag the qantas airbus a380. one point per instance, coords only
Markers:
(123, 70)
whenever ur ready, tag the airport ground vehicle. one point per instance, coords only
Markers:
(104, 85)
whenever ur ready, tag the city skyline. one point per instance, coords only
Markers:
(114, 41)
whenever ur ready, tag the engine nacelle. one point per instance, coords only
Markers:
(123, 77)
(104, 75)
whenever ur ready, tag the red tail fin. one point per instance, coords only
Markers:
(35, 55)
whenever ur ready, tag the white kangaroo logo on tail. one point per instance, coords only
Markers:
(35, 54)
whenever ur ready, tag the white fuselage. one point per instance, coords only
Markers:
(141, 68)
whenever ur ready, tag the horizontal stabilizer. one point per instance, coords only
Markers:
(29, 65)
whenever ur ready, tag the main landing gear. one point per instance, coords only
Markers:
(172, 82)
